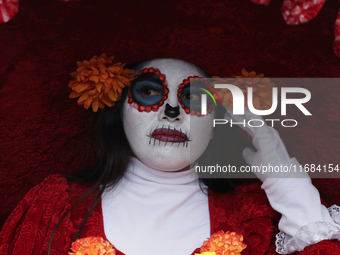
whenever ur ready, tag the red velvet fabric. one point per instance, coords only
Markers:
(245, 211)
(43, 132)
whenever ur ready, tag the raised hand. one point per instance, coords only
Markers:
(290, 193)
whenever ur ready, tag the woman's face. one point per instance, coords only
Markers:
(159, 116)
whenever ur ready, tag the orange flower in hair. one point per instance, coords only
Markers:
(92, 246)
(221, 243)
(99, 82)
(262, 89)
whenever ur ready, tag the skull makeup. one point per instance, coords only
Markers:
(159, 116)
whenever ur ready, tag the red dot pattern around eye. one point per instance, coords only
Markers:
(183, 84)
(153, 108)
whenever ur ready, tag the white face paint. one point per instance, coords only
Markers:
(163, 139)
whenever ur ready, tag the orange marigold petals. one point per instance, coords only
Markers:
(92, 246)
(114, 84)
(104, 77)
(88, 102)
(112, 95)
(101, 105)
(114, 69)
(122, 79)
(109, 80)
(99, 82)
(120, 84)
(107, 102)
(262, 89)
(83, 97)
(221, 243)
(79, 64)
(126, 72)
(244, 72)
(79, 88)
(99, 88)
(93, 92)
(74, 94)
(95, 104)
(94, 78)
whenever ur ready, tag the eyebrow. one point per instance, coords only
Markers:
(150, 76)
(188, 80)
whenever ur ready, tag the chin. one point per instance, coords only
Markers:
(167, 156)
(166, 160)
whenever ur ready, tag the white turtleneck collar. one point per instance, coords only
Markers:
(156, 212)
(140, 170)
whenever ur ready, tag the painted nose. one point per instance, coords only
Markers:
(171, 112)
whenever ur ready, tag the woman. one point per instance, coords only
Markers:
(145, 199)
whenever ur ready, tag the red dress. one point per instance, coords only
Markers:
(246, 211)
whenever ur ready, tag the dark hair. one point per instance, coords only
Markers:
(114, 152)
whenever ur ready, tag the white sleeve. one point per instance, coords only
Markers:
(305, 221)
(310, 234)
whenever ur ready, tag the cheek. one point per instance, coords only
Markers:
(136, 124)
(202, 126)
(201, 129)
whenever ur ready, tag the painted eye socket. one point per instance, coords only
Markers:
(190, 96)
(148, 91)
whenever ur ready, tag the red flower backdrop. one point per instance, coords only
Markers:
(297, 12)
(43, 131)
(8, 9)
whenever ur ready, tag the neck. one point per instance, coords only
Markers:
(138, 169)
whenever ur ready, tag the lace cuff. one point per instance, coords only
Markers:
(310, 234)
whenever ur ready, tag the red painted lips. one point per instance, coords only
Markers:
(169, 135)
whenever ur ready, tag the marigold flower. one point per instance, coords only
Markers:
(206, 253)
(221, 243)
(262, 89)
(92, 246)
(99, 82)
